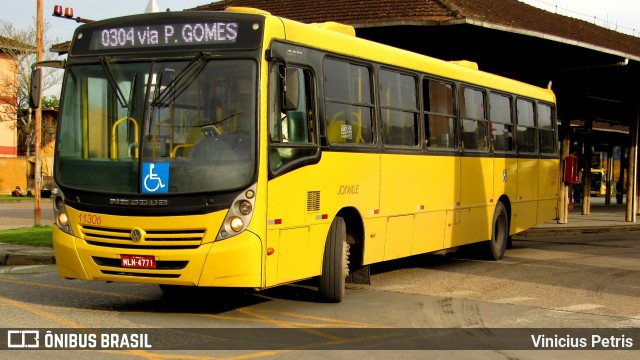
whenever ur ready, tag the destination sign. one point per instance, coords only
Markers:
(169, 31)
(196, 33)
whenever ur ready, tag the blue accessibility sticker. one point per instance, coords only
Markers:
(155, 177)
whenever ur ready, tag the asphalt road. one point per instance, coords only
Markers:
(589, 282)
(21, 214)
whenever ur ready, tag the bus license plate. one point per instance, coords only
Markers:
(138, 261)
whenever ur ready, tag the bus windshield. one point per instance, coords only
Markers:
(188, 125)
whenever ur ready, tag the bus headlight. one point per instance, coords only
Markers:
(236, 224)
(60, 212)
(239, 214)
(245, 207)
(63, 219)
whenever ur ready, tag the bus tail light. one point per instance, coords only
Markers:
(239, 214)
(60, 212)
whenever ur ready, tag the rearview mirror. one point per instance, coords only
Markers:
(291, 89)
(35, 91)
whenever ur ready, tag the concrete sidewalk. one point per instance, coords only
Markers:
(603, 218)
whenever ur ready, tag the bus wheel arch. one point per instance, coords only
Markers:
(355, 236)
(342, 252)
(500, 238)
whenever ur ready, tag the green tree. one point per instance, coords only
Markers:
(50, 101)
(18, 48)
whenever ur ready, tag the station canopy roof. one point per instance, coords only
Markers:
(590, 67)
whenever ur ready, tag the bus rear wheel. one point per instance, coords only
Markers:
(499, 233)
(335, 262)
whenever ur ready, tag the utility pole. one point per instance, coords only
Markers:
(38, 120)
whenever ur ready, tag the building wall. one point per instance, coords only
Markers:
(13, 173)
(8, 122)
(15, 170)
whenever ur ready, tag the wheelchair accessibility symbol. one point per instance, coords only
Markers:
(155, 177)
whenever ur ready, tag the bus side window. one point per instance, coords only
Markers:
(547, 130)
(348, 102)
(439, 114)
(289, 129)
(399, 109)
(474, 130)
(525, 131)
(500, 113)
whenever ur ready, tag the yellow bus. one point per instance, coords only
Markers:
(240, 149)
(599, 182)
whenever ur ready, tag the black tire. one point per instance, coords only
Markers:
(334, 263)
(499, 233)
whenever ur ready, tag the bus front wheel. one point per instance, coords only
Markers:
(499, 233)
(335, 262)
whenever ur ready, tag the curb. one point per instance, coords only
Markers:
(576, 230)
(42, 257)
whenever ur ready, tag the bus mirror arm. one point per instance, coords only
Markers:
(35, 91)
(289, 87)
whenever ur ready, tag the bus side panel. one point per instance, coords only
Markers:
(505, 178)
(299, 259)
(525, 207)
(476, 179)
(527, 180)
(549, 182)
(404, 183)
(347, 180)
(399, 237)
(432, 184)
(472, 219)
(547, 210)
(294, 252)
(442, 182)
(428, 232)
(287, 200)
(468, 226)
(287, 230)
(402, 193)
(271, 265)
(524, 216)
(374, 240)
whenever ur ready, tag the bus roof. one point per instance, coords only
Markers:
(339, 39)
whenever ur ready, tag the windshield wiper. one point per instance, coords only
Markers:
(112, 81)
(184, 78)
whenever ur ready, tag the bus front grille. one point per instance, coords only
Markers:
(151, 239)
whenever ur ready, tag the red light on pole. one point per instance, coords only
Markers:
(68, 13)
(57, 11)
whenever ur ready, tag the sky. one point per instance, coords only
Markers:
(621, 14)
(24, 15)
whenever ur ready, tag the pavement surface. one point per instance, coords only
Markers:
(602, 219)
